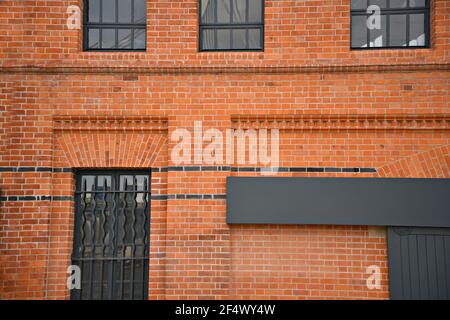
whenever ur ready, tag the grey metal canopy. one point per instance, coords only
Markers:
(339, 201)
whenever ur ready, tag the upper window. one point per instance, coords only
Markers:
(231, 25)
(390, 24)
(115, 25)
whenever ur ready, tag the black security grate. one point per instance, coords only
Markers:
(111, 239)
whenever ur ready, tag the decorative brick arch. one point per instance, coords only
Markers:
(95, 142)
(434, 163)
(109, 142)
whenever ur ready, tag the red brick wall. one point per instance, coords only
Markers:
(63, 108)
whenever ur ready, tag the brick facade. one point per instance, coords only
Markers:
(63, 109)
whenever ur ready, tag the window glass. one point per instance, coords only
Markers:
(379, 3)
(399, 3)
(416, 31)
(208, 39)
(416, 3)
(399, 24)
(208, 13)
(358, 4)
(125, 38)
(140, 11)
(115, 25)
(108, 38)
(254, 38)
(223, 11)
(139, 38)
(223, 38)
(109, 11)
(239, 11)
(125, 11)
(255, 11)
(239, 38)
(94, 11)
(397, 30)
(231, 24)
(378, 37)
(94, 38)
(359, 32)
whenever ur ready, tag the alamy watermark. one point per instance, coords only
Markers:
(74, 17)
(373, 281)
(251, 147)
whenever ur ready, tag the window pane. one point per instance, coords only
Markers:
(125, 11)
(239, 11)
(399, 3)
(358, 4)
(417, 3)
(238, 14)
(208, 11)
(416, 30)
(94, 36)
(109, 11)
(108, 38)
(397, 30)
(254, 39)
(359, 32)
(378, 36)
(208, 39)
(239, 38)
(139, 38)
(124, 38)
(223, 11)
(223, 39)
(255, 11)
(140, 11)
(94, 11)
(381, 3)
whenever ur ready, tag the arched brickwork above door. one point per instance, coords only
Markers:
(109, 142)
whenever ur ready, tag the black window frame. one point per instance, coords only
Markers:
(202, 26)
(77, 259)
(116, 26)
(395, 11)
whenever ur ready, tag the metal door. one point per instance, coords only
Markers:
(111, 238)
(419, 263)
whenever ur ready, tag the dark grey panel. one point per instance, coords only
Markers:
(419, 267)
(339, 201)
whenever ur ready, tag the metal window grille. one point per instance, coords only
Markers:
(114, 25)
(231, 25)
(111, 238)
(404, 24)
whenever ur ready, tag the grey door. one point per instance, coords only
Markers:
(419, 263)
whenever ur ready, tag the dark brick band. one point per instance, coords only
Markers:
(34, 169)
(153, 197)
(36, 198)
(210, 169)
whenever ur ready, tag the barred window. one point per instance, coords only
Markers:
(390, 24)
(115, 25)
(231, 25)
(112, 235)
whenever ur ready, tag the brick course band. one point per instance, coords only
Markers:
(35, 169)
(344, 122)
(207, 169)
(225, 70)
(153, 197)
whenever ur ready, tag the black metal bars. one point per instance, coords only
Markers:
(111, 239)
